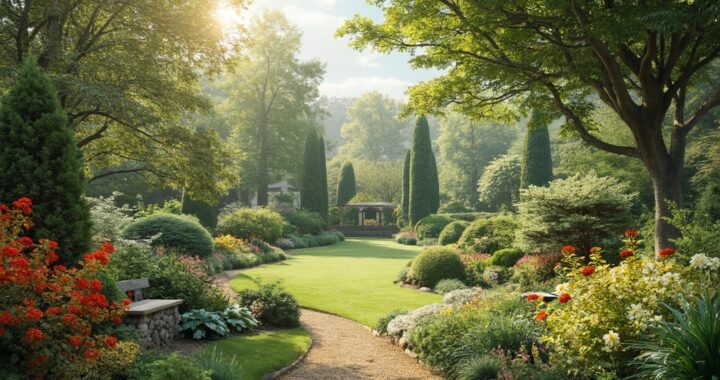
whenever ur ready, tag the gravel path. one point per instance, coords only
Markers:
(346, 350)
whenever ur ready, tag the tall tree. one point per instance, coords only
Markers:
(39, 160)
(323, 186)
(641, 59)
(346, 184)
(372, 130)
(537, 157)
(271, 98)
(310, 187)
(466, 147)
(126, 72)
(424, 184)
(405, 203)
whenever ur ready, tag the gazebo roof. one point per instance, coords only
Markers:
(371, 205)
(279, 186)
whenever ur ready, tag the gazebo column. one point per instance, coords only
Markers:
(379, 216)
(361, 217)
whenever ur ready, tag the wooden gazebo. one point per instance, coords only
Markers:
(378, 207)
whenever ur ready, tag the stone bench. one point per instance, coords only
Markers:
(157, 319)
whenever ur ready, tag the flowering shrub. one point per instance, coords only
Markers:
(51, 317)
(407, 238)
(194, 265)
(602, 308)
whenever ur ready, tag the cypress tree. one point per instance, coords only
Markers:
(322, 181)
(346, 184)
(424, 183)
(206, 213)
(537, 158)
(39, 160)
(406, 189)
(310, 195)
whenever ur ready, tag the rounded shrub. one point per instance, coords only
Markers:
(431, 226)
(489, 235)
(435, 264)
(452, 232)
(306, 222)
(178, 232)
(484, 367)
(271, 305)
(252, 223)
(506, 257)
(448, 285)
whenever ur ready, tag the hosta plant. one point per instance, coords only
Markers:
(239, 318)
(203, 324)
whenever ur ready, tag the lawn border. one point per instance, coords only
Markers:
(277, 373)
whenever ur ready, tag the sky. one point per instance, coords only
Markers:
(349, 73)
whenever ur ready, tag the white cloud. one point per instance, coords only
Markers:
(355, 86)
(368, 60)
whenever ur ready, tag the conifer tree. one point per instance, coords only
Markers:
(405, 207)
(346, 184)
(537, 159)
(39, 160)
(424, 187)
(322, 179)
(310, 194)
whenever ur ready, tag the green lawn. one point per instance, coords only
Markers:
(259, 354)
(353, 279)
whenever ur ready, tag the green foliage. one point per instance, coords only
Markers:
(380, 180)
(306, 222)
(405, 202)
(582, 210)
(219, 365)
(168, 278)
(469, 216)
(252, 223)
(382, 323)
(346, 184)
(323, 181)
(406, 238)
(39, 160)
(435, 264)
(448, 285)
(489, 235)
(403, 274)
(431, 226)
(239, 318)
(203, 324)
(108, 220)
(206, 213)
(311, 186)
(181, 233)
(506, 257)
(698, 236)
(112, 363)
(424, 186)
(686, 348)
(484, 367)
(537, 159)
(271, 305)
(493, 275)
(499, 186)
(174, 366)
(452, 232)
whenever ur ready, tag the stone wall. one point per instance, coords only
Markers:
(160, 327)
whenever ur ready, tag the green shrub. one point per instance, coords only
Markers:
(506, 257)
(249, 223)
(435, 264)
(327, 238)
(403, 274)
(221, 366)
(431, 226)
(448, 285)
(496, 275)
(489, 235)
(452, 232)
(112, 363)
(178, 232)
(306, 222)
(174, 366)
(436, 337)
(297, 241)
(382, 323)
(271, 305)
(406, 238)
(484, 367)
(468, 216)
(507, 333)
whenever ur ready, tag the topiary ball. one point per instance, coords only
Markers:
(435, 264)
(452, 232)
(431, 226)
(506, 257)
(179, 232)
(489, 235)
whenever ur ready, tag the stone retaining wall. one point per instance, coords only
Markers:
(159, 327)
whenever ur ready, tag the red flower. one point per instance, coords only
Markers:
(568, 249)
(10, 251)
(625, 253)
(564, 298)
(96, 285)
(26, 241)
(631, 233)
(75, 341)
(33, 314)
(541, 315)
(666, 252)
(110, 341)
(23, 204)
(6, 318)
(52, 244)
(53, 310)
(587, 270)
(94, 300)
(69, 318)
(116, 320)
(19, 263)
(100, 256)
(33, 335)
(532, 297)
(107, 248)
(91, 353)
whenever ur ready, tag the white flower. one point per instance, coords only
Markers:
(612, 340)
(648, 269)
(714, 263)
(700, 261)
(636, 312)
(563, 288)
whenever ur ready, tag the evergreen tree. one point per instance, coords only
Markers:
(406, 189)
(322, 180)
(310, 193)
(39, 160)
(537, 159)
(206, 213)
(424, 183)
(346, 184)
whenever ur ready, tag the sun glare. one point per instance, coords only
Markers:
(227, 15)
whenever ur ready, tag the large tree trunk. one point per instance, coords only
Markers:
(668, 188)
